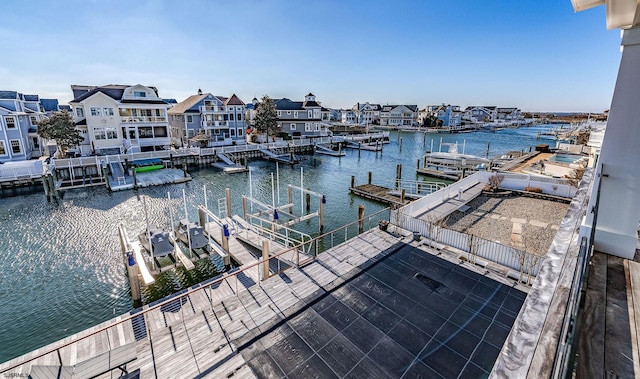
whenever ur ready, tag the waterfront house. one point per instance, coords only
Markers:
(367, 114)
(509, 115)
(398, 115)
(347, 116)
(120, 118)
(215, 120)
(451, 115)
(302, 118)
(481, 113)
(19, 114)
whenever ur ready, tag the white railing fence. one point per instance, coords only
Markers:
(474, 246)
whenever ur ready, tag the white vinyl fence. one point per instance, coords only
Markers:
(474, 246)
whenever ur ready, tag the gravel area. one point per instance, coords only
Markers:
(493, 218)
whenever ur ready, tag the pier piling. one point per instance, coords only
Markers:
(227, 193)
(353, 183)
(360, 218)
(370, 177)
(265, 258)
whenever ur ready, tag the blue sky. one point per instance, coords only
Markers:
(536, 55)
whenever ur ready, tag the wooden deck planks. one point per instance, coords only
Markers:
(189, 338)
(618, 354)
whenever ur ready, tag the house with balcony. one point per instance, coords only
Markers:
(208, 119)
(347, 116)
(120, 118)
(301, 119)
(481, 113)
(367, 114)
(19, 114)
(450, 115)
(509, 115)
(398, 115)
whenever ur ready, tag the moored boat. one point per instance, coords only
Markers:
(160, 245)
(190, 230)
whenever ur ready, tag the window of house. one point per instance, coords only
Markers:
(159, 113)
(239, 132)
(189, 118)
(145, 132)
(95, 111)
(99, 134)
(108, 111)
(317, 126)
(34, 120)
(309, 114)
(15, 146)
(145, 112)
(293, 126)
(160, 131)
(111, 133)
(232, 132)
(231, 117)
(80, 112)
(295, 114)
(279, 113)
(36, 143)
(239, 116)
(139, 94)
(307, 127)
(288, 112)
(2, 149)
(11, 122)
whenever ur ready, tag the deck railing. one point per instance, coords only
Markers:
(174, 304)
(524, 264)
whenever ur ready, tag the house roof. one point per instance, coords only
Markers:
(115, 91)
(187, 103)
(10, 95)
(65, 108)
(234, 100)
(8, 104)
(285, 104)
(170, 101)
(32, 107)
(82, 122)
(49, 105)
(31, 98)
(310, 104)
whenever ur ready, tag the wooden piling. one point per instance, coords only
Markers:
(307, 200)
(265, 258)
(402, 194)
(370, 177)
(227, 193)
(360, 218)
(244, 207)
(290, 198)
(353, 182)
(321, 213)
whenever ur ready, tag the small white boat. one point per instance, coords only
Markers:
(452, 164)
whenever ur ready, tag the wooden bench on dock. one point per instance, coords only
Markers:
(113, 359)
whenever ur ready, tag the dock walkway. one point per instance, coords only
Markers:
(444, 207)
(378, 193)
(198, 334)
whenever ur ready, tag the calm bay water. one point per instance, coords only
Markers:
(62, 269)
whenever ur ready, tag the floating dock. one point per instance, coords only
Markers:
(326, 150)
(379, 194)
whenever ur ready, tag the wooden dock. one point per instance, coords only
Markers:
(198, 333)
(379, 194)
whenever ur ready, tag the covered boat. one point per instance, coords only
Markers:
(160, 245)
(187, 228)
